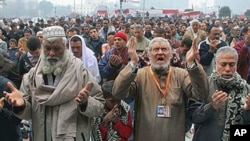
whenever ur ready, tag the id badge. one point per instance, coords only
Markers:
(167, 112)
(160, 110)
(163, 111)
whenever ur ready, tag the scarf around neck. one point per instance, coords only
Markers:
(112, 134)
(236, 89)
(60, 98)
(123, 54)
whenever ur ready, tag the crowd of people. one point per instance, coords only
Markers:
(119, 79)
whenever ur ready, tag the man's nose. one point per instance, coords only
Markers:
(74, 50)
(52, 52)
(227, 68)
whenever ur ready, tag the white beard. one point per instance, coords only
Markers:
(54, 67)
(159, 67)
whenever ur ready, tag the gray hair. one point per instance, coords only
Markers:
(194, 21)
(159, 39)
(39, 32)
(226, 49)
(138, 26)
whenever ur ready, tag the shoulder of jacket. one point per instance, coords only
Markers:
(179, 71)
(9, 61)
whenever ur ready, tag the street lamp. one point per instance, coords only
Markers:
(81, 7)
(121, 7)
(74, 5)
(218, 12)
(2, 5)
(143, 11)
(55, 11)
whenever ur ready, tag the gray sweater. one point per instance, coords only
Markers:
(3, 47)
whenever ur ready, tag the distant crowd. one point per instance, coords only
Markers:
(124, 78)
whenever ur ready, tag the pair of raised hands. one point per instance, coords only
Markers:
(1, 104)
(15, 97)
(219, 98)
(190, 56)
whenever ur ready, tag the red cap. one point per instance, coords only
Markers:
(121, 35)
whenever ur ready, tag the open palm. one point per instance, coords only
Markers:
(192, 53)
(132, 50)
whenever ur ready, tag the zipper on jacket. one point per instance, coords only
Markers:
(83, 138)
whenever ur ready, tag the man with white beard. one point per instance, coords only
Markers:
(160, 86)
(58, 94)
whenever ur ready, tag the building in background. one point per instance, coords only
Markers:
(237, 7)
(165, 4)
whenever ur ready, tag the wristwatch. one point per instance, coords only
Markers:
(192, 66)
(134, 67)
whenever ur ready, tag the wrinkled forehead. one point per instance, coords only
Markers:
(160, 44)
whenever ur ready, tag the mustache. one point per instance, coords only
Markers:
(52, 59)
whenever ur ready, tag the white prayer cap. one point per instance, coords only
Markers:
(236, 27)
(207, 16)
(53, 31)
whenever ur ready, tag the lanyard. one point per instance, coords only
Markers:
(164, 92)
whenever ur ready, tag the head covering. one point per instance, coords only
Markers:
(13, 25)
(236, 27)
(121, 35)
(53, 31)
(88, 59)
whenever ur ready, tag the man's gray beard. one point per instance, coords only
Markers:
(54, 67)
(159, 67)
(225, 79)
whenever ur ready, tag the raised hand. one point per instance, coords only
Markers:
(1, 104)
(115, 60)
(115, 113)
(218, 99)
(83, 95)
(192, 53)
(111, 116)
(132, 50)
(233, 43)
(213, 44)
(247, 103)
(15, 97)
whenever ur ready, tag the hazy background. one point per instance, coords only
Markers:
(48, 8)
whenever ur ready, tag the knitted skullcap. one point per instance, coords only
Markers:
(121, 35)
(53, 31)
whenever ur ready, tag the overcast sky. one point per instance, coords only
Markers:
(71, 2)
